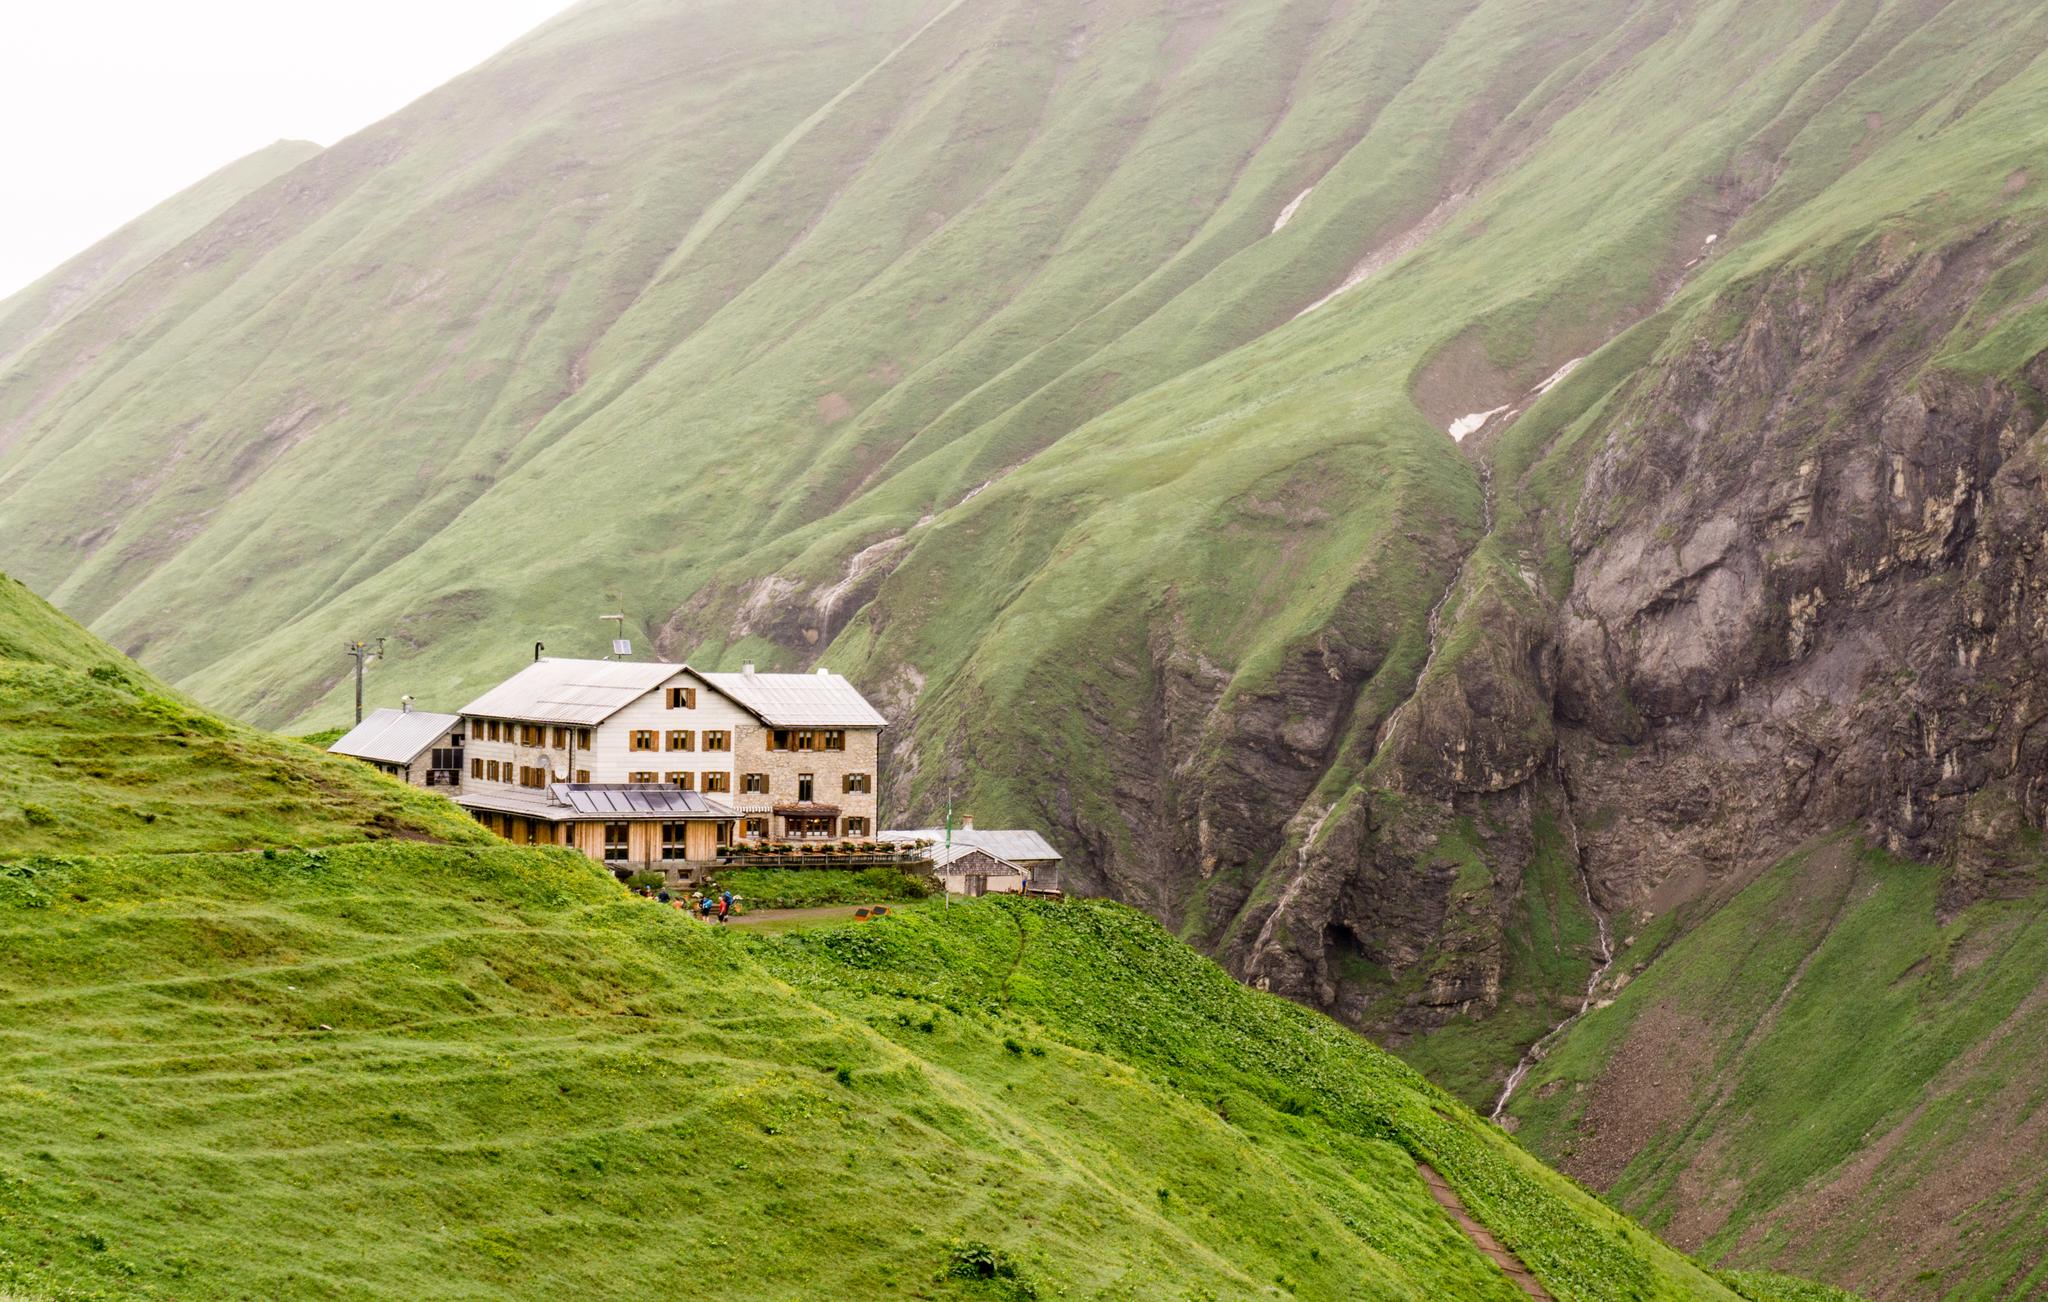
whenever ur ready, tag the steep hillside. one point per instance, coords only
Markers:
(1079, 378)
(97, 756)
(1827, 1070)
(40, 308)
(390, 1069)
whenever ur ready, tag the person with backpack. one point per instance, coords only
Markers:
(724, 903)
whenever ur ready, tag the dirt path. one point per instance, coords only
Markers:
(1480, 1236)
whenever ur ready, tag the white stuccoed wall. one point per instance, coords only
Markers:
(610, 757)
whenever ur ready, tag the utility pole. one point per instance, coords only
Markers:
(945, 889)
(361, 653)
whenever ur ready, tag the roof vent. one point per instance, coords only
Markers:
(823, 671)
(747, 668)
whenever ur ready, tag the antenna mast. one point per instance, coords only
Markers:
(621, 647)
(362, 652)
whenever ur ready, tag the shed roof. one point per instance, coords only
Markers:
(819, 700)
(1018, 845)
(572, 691)
(394, 736)
(639, 800)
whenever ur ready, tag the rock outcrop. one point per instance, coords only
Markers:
(1805, 592)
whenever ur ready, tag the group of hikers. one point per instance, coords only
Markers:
(703, 904)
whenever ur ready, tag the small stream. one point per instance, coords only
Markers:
(1541, 1048)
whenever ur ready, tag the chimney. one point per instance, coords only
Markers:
(405, 704)
(967, 822)
(747, 668)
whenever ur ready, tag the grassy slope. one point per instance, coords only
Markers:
(37, 309)
(402, 1069)
(1827, 1043)
(534, 1085)
(98, 756)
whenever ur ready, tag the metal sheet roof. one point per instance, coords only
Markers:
(638, 800)
(1018, 845)
(820, 700)
(946, 858)
(571, 691)
(394, 736)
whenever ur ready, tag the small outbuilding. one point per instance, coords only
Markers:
(419, 746)
(1021, 848)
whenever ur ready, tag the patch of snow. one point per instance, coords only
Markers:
(1558, 376)
(1287, 213)
(1387, 254)
(1472, 424)
(973, 493)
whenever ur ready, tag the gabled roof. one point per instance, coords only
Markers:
(945, 858)
(394, 736)
(572, 691)
(1019, 845)
(820, 700)
(641, 799)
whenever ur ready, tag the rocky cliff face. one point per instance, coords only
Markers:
(1803, 592)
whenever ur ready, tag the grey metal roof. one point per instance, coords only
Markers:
(1018, 845)
(638, 800)
(571, 691)
(820, 700)
(942, 857)
(513, 800)
(394, 736)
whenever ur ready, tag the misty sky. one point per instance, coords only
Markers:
(108, 106)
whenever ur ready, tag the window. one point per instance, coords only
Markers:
(832, 739)
(491, 727)
(583, 775)
(643, 739)
(532, 775)
(754, 784)
(754, 828)
(682, 698)
(641, 775)
(615, 842)
(455, 738)
(859, 782)
(801, 739)
(715, 780)
(583, 738)
(717, 739)
(687, 781)
(476, 768)
(856, 827)
(681, 739)
(532, 734)
(561, 738)
(491, 770)
(672, 841)
(445, 757)
(806, 786)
